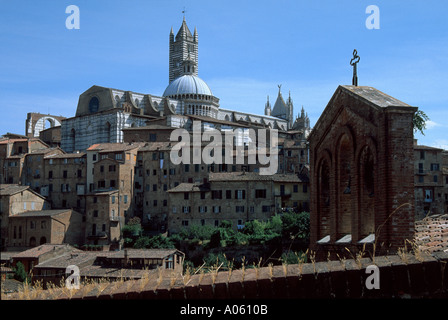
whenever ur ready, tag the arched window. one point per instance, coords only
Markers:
(43, 240)
(94, 104)
(32, 242)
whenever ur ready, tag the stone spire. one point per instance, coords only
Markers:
(290, 110)
(267, 108)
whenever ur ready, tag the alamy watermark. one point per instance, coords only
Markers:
(73, 277)
(373, 280)
(373, 20)
(73, 20)
(225, 146)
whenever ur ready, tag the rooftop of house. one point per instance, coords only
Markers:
(189, 187)
(45, 151)
(42, 249)
(74, 257)
(66, 155)
(423, 147)
(214, 120)
(10, 189)
(114, 147)
(6, 256)
(8, 140)
(40, 213)
(252, 176)
(374, 96)
(138, 253)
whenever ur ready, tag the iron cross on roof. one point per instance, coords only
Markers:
(353, 62)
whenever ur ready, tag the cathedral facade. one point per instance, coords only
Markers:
(103, 113)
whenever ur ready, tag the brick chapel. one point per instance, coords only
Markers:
(361, 159)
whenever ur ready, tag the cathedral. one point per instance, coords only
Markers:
(103, 113)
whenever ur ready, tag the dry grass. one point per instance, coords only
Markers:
(257, 268)
(270, 270)
(358, 256)
(404, 252)
(313, 259)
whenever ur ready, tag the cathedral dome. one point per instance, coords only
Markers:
(187, 84)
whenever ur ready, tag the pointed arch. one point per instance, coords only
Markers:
(367, 181)
(345, 177)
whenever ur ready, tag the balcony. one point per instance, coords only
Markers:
(114, 218)
(283, 194)
(97, 235)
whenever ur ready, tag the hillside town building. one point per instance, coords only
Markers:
(431, 181)
(14, 200)
(358, 171)
(104, 114)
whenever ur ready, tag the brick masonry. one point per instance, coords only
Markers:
(401, 276)
(361, 159)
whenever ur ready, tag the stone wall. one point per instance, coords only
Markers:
(400, 276)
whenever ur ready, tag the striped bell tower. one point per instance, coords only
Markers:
(183, 47)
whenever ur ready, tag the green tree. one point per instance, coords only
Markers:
(132, 231)
(419, 121)
(155, 242)
(20, 273)
(222, 235)
(200, 232)
(215, 260)
(274, 226)
(262, 232)
(296, 225)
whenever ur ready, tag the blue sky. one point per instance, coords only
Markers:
(246, 48)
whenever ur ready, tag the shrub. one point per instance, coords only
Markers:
(20, 273)
(293, 257)
(200, 232)
(155, 242)
(259, 232)
(215, 260)
(296, 225)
